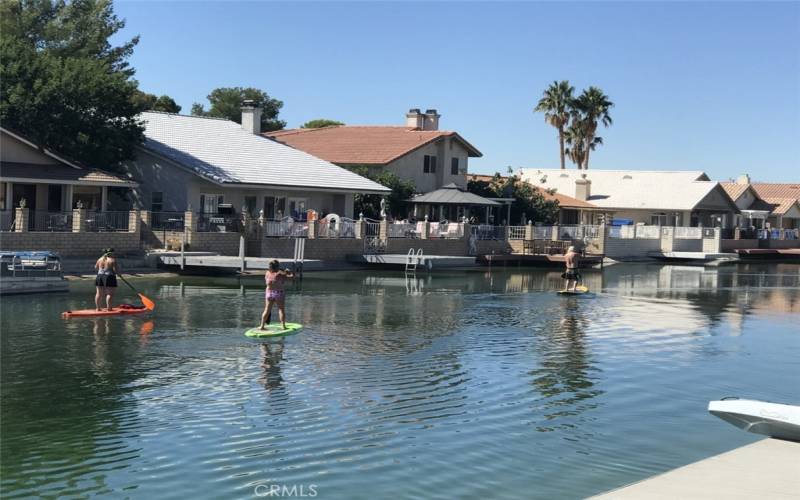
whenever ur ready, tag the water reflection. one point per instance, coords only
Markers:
(271, 357)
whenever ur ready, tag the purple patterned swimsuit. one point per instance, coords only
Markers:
(275, 290)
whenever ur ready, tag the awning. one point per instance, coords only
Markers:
(452, 195)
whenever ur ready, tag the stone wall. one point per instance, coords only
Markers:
(72, 244)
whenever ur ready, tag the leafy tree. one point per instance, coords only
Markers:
(529, 202)
(576, 138)
(63, 84)
(591, 107)
(320, 123)
(150, 102)
(226, 102)
(370, 204)
(556, 104)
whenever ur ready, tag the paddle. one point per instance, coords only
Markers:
(148, 304)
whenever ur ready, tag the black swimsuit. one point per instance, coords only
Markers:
(106, 278)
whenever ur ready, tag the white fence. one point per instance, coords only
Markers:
(285, 228)
(516, 232)
(450, 230)
(328, 228)
(403, 230)
(688, 233)
(638, 232)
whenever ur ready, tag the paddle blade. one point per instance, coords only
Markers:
(148, 304)
(582, 288)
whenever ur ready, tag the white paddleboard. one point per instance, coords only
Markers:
(759, 417)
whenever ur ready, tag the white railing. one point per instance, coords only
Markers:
(285, 228)
(516, 232)
(542, 232)
(648, 232)
(403, 230)
(487, 232)
(328, 228)
(449, 230)
(688, 233)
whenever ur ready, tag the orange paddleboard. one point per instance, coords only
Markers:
(115, 311)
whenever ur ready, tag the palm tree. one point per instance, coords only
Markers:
(556, 104)
(593, 106)
(576, 139)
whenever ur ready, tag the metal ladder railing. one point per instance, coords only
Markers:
(413, 259)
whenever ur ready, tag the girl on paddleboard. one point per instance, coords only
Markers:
(106, 280)
(275, 293)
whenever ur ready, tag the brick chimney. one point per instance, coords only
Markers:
(583, 188)
(251, 117)
(431, 121)
(414, 119)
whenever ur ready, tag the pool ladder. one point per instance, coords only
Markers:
(413, 259)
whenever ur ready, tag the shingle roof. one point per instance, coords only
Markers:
(630, 189)
(452, 195)
(61, 173)
(777, 190)
(363, 144)
(223, 152)
(563, 200)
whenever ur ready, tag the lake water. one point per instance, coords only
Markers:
(470, 384)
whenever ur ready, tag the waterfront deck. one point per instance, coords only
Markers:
(769, 468)
(785, 254)
(541, 260)
(206, 260)
(424, 262)
(695, 256)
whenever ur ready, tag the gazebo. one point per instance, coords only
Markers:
(451, 203)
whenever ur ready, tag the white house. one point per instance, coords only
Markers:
(681, 198)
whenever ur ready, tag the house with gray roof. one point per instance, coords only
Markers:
(680, 198)
(52, 185)
(202, 164)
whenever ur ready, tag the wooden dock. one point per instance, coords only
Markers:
(769, 468)
(540, 260)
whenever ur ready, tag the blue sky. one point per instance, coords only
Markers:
(707, 86)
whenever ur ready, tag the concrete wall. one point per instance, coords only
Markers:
(72, 244)
(680, 245)
(223, 243)
(616, 248)
(730, 245)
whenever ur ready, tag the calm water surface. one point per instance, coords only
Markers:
(465, 384)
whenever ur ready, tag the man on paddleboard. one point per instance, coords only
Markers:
(571, 276)
(106, 280)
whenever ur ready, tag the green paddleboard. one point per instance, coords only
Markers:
(274, 330)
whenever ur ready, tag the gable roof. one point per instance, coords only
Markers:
(780, 206)
(56, 156)
(632, 189)
(563, 200)
(223, 152)
(363, 144)
(734, 189)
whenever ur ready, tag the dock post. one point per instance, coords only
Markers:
(241, 254)
(183, 254)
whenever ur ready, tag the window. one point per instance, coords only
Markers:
(429, 164)
(658, 219)
(297, 208)
(209, 203)
(454, 166)
(274, 207)
(156, 201)
(250, 205)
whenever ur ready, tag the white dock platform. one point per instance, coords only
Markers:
(425, 262)
(209, 260)
(769, 468)
(695, 256)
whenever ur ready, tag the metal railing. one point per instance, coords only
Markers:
(403, 230)
(329, 228)
(446, 230)
(285, 228)
(7, 220)
(218, 223)
(44, 221)
(487, 232)
(107, 222)
(516, 232)
(372, 228)
(542, 232)
(14, 265)
(688, 233)
(167, 221)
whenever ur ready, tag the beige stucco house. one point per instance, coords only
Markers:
(417, 151)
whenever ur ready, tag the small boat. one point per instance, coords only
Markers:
(768, 419)
(31, 272)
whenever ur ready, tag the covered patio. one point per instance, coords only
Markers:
(451, 203)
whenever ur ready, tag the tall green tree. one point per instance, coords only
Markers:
(151, 102)
(529, 201)
(397, 200)
(226, 102)
(576, 138)
(592, 108)
(62, 82)
(556, 104)
(321, 123)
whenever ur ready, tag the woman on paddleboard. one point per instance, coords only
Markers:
(275, 293)
(106, 280)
